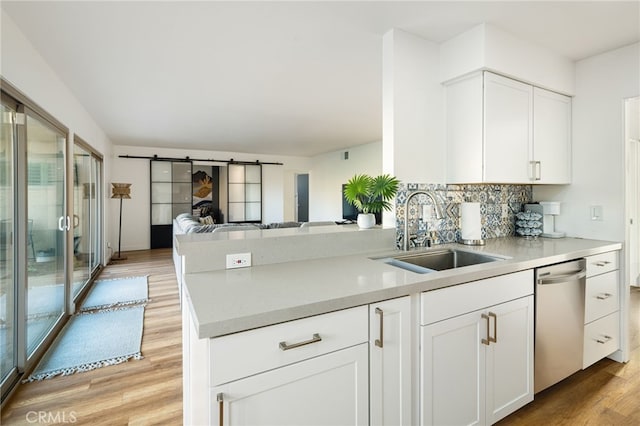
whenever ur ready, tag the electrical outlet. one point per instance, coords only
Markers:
(108, 245)
(238, 260)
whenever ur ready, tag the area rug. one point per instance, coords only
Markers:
(93, 340)
(107, 294)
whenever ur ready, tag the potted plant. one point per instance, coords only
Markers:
(370, 195)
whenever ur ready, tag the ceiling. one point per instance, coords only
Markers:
(288, 78)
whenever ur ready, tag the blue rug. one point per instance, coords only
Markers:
(107, 294)
(93, 340)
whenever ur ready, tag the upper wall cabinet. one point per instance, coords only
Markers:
(500, 130)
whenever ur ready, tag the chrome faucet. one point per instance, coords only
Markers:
(405, 238)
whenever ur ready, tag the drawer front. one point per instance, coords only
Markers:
(601, 296)
(438, 305)
(601, 338)
(250, 352)
(602, 263)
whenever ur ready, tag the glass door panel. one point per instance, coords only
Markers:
(45, 207)
(95, 203)
(86, 229)
(8, 355)
(82, 193)
(244, 192)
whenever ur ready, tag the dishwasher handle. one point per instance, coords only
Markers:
(563, 278)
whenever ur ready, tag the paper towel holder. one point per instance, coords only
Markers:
(480, 242)
(470, 224)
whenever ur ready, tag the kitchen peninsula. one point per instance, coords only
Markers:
(342, 329)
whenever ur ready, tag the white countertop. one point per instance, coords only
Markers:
(229, 301)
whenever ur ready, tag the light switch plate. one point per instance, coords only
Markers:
(238, 260)
(595, 212)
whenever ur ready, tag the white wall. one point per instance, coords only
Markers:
(26, 69)
(329, 171)
(412, 109)
(602, 84)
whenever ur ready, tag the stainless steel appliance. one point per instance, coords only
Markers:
(559, 329)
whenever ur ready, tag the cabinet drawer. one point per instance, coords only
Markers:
(250, 352)
(601, 296)
(601, 338)
(601, 263)
(448, 302)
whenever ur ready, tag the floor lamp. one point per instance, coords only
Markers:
(120, 190)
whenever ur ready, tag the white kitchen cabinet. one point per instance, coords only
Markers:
(327, 390)
(477, 366)
(309, 371)
(551, 154)
(390, 347)
(500, 130)
(508, 130)
(602, 308)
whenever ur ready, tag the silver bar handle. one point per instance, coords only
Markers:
(494, 339)
(532, 170)
(220, 399)
(314, 339)
(538, 175)
(60, 223)
(380, 342)
(602, 263)
(555, 279)
(604, 339)
(488, 340)
(604, 296)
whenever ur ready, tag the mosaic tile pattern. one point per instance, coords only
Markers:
(498, 206)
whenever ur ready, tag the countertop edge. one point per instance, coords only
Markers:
(430, 283)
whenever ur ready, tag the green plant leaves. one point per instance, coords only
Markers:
(371, 194)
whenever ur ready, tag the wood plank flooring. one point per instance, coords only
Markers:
(149, 391)
(142, 392)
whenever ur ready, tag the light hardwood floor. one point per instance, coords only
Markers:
(143, 392)
(149, 391)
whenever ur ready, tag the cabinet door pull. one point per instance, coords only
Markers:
(538, 170)
(532, 169)
(602, 263)
(488, 340)
(314, 339)
(220, 399)
(604, 339)
(494, 339)
(380, 341)
(604, 296)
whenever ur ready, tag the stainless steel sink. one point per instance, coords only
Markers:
(438, 260)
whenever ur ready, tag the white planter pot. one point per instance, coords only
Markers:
(366, 221)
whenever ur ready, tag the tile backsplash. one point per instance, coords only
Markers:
(498, 206)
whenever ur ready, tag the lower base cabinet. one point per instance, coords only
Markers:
(477, 367)
(328, 390)
(310, 371)
(391, 328)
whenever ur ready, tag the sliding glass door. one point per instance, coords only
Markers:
(50, 230)
(47, 225)
(8, 356)
(87, 172)
(33, 226)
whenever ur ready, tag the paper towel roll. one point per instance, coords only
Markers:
(471, 225)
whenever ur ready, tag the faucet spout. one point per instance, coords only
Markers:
(438, 209)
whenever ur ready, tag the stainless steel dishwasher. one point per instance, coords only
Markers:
(559, 326)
